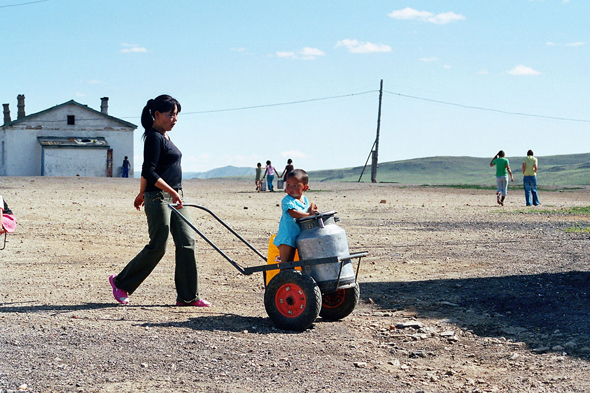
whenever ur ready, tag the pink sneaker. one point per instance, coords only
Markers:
(120, 295)
(198, 303)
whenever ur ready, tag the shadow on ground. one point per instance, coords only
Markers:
(546, 311)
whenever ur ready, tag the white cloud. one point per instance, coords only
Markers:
(429, 59)
(483, 72)
(425, 16)
(523, 70)
(133, 48)
(96, 82)
(575, 44)
(549, 43)
(78, 94)
(306, 53)
(356, 46)
(447, 67)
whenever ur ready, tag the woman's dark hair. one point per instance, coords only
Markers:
(529, 153)
(289, 161)
(501, 153)
(268, 162)
(162, 104)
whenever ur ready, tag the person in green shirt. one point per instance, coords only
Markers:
(502, 172)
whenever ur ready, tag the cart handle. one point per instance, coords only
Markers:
(172, 206)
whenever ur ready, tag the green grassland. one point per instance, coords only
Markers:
(554, 171)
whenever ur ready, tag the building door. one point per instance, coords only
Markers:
(110, 163)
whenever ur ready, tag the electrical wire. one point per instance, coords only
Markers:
(486, 109)
(280, 104)
(20, 4)
(352, 95)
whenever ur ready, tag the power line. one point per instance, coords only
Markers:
(488, 109)
(279, 104)
(19, 4)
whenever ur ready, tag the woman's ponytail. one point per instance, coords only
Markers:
(147, 120)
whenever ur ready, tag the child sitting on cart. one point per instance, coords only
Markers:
(294, 205)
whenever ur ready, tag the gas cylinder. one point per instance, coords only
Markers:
(320, 237)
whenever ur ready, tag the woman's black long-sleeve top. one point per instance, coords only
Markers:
(161, 159)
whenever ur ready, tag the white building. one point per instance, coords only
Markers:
(69, 139)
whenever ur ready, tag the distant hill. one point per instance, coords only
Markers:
(226, 171)
(562, 170)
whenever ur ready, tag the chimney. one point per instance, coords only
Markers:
(21, 106)
(104, 105)
(6, 114)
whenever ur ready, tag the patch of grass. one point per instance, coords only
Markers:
(577, 210)
(578, 230)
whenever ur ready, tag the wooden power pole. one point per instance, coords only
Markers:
(375, 151)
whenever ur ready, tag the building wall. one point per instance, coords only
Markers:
(21, 155)
(74, 162)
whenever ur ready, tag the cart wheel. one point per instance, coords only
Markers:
(339, 304)
(292, 300)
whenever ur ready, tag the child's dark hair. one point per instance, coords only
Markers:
(267, 162)
(162, 104)
(300, 175)
(259, 164)
(501, 153)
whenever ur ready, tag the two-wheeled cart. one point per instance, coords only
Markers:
(323, 282)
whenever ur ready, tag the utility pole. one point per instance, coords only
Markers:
(375, 148)
(375, 151)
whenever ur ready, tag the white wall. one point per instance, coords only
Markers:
(22, 151)
(75, 162)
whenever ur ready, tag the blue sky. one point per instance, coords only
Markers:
(461, 78)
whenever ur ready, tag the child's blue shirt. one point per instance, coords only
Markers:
(289, 229)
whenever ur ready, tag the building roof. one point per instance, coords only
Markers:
(78, 142)
(71, 102)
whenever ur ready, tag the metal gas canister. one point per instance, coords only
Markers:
(320, 237)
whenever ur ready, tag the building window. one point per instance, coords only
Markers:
(71, 120)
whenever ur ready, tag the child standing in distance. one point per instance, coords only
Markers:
(294, 205)
(269, 173)
(258, 179)
(502, 172)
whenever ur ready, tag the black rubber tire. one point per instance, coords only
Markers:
(340, 304)
(291, 312)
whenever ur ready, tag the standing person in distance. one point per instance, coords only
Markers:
(269, 173)
(288, 168)
(502, 172)
(125, 168)
(529, 170)
(258, 179)
(161, 184)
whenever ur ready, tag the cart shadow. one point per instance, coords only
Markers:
(542, 310)
(223, 322)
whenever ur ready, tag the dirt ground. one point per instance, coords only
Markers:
(457, 294)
